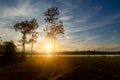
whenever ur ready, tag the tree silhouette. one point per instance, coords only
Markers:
(54, 26)
(25, 27)
(10, 54)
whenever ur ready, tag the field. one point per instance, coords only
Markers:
(63, 68)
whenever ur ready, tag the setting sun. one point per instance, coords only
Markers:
(48, 46)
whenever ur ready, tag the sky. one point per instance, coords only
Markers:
(88, 24)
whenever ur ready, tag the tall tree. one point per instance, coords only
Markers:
(54, 26)
(25, 27)
(33, 33)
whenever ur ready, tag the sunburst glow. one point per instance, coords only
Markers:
(48, 47)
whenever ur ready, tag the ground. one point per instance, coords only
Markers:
(63, 68)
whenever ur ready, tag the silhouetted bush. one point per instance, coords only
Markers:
(10, 49)
(9, 55)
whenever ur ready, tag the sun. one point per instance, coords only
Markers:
(48, 47)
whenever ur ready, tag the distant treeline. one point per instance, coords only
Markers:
(78, 53)
(88, 53)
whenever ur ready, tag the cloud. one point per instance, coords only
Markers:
(83, 41)
(79, 27)
(88, 14)
(73, 4)
(23, 9)
(80, 20)
(65, 18)
(7, 34)
(109, 47)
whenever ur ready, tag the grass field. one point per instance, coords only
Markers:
(63, 68)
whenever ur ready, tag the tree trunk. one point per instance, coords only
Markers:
(23, 45)
(31, 48)
(52, 44)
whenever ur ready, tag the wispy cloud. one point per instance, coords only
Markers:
(108, 47)
(65, 18)
(107, 20)
(80, 20)
(70, 4)
(23, 9)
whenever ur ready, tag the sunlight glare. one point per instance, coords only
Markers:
(48, 46)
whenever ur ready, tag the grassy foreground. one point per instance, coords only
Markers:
(63, 68)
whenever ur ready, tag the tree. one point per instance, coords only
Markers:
(54, 26)
(25, 27)
(33, 33)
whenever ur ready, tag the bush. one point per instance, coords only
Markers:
(9, 54)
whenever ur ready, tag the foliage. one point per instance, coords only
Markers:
(25, 27)
(9, 54)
